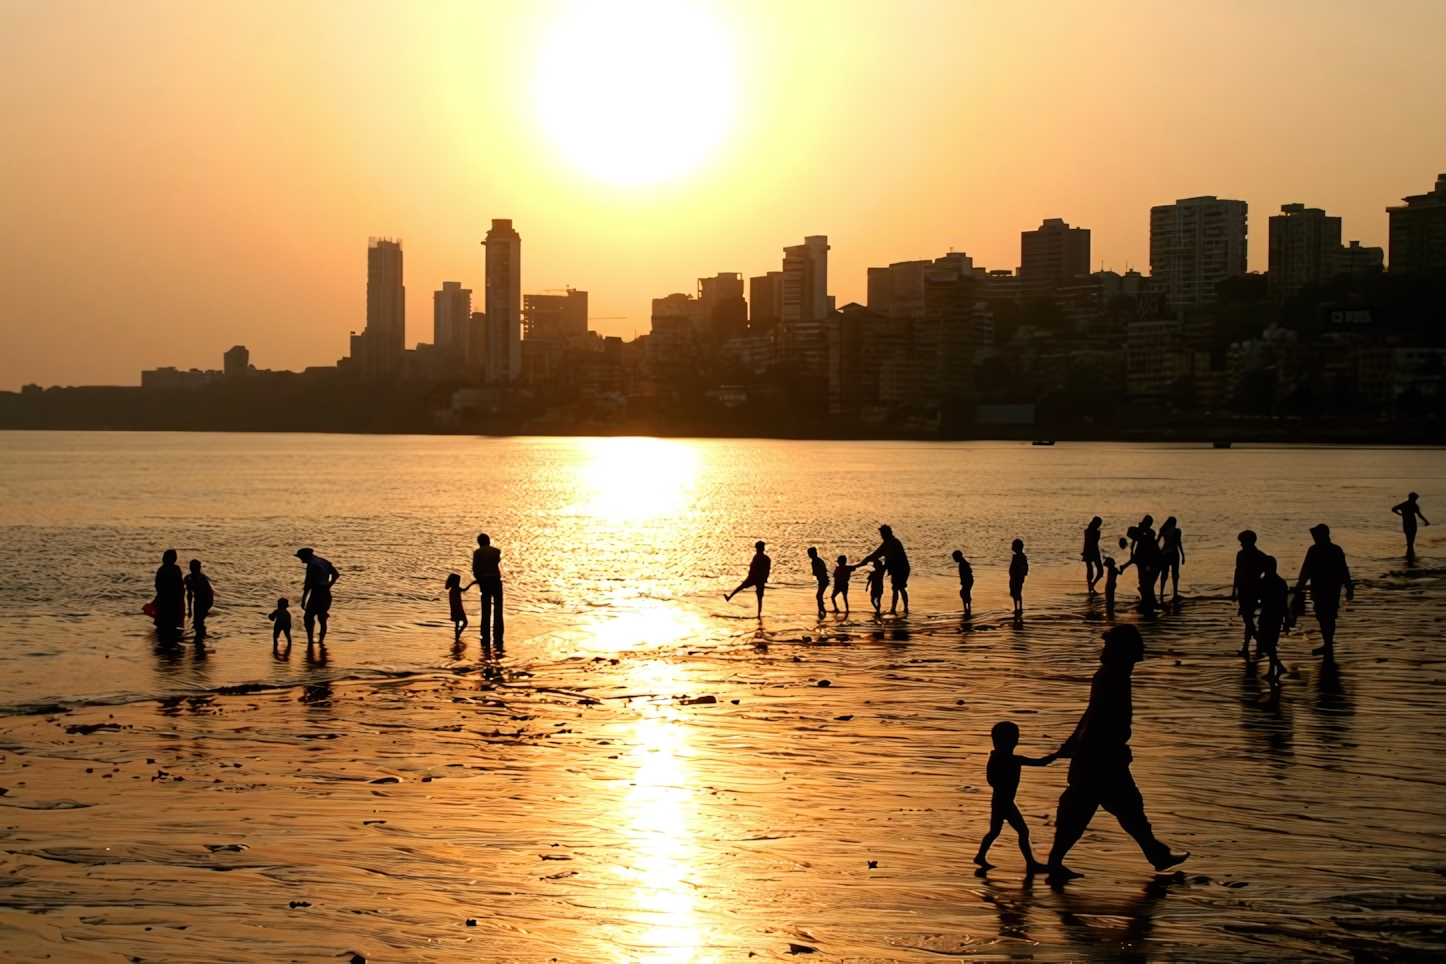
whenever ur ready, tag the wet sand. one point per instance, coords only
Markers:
(712, 801)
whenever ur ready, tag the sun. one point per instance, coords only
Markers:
(637, 91)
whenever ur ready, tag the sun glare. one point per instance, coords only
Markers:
(637, 91)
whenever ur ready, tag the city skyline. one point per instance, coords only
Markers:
(176, 211)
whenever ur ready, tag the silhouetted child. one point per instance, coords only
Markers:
(1003, 772)
(820, 575)
(759, 569)
(1275, 617)
(966, 582)
(455, 589)
(1018, 569)
(841, 574)
(281, 622)
(199, 597)
(1112, 576)
(876, 587)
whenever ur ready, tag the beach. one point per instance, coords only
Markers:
(663, 778)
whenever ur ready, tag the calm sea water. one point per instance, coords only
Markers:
(615, 543)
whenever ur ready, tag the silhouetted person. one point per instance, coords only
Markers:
(1112, 576)
(897, 564)
(1018, 570)
(170, 595)
(316, 594)
(1002, 771)
(487, 575)
(759, 569)
(820, 575)
(1172, 555)
(1099, 755)
(1325, 570)
(200, 597)
(1275, 617)
(842, 572)
(281, 622)
(875, 582)
(966, 583)
(455, 589)
(1249, 564)
(1140, 557)
(1408, 511)
(1094, 568)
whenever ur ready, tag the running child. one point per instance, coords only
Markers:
(1018, 569)
(966, 583)
(1002, 771)
(455, 589)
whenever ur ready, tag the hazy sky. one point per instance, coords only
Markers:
(179, 177)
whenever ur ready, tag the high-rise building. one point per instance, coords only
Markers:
(384, 340)
(765, 301)
(451, 319)
(1195, 244)
(1418, 231)
(503, 302)
(477, 341)
(555, 317)
(723, 310)
(1305, 245)
(805, 303)
(1052, 255)
(236, 362)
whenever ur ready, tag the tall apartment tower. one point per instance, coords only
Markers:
(1052, 255)
(451, 318)
(1305, 248)
(1418, 231)
(555, 317)
(765, 301)
(1195, 244)
(805, 302)
(384, 340)
(504, 302)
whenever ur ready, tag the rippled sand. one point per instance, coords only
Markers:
(711, 801)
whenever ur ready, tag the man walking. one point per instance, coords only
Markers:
(897, 565)
(487, 570)
(316, 593)
(1099, 755)
(1326, 571)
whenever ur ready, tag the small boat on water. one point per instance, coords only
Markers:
(1042, 443)
(1221, 445)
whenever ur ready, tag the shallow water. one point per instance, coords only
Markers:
(707, 831)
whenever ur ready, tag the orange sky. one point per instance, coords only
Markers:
(180, 177)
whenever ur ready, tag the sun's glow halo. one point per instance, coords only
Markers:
(635, 92)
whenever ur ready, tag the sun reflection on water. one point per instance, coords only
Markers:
(636, 479)
(659, 816)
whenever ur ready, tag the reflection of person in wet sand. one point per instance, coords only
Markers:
(820, 575)
(966, 583)
(1326, 571)
(1099, 755)
(759, 570)
(1249, 563)
(842, 572)
(316, 593)
(897, 564)
(1094, 566)
(1408, 511)
(1003, 771)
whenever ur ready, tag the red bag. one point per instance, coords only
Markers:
(150, 609)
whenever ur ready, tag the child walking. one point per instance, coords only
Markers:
(1018, 569)
(966, 583)
(281, 622)
(200, 597)
(1003, 770)
(455, 589)
(876, 587)
(841, 574)
(1112, 576)
(820, 575)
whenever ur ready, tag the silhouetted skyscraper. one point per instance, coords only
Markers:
(451, 316)
(1418, 231)
(1304, 244)
(555, 317)
(805, 302)
(1052, 255)
(236, 362)
(384, 339)
(724, 312)
(1195, 244)
(765, 301)
(504, 302)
